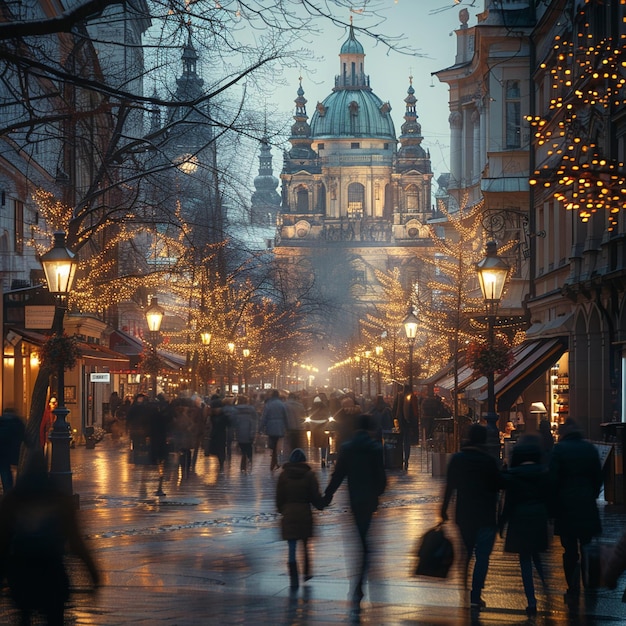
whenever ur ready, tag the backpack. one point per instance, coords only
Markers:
(435, 554)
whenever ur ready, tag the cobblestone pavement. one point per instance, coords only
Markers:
(209, 552)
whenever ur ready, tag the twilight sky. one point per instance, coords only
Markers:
(428, 26)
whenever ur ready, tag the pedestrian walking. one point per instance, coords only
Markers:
(220, 423)
(346, 420)
(576, 480)
(246, 419)
(475, 477)
(381, 417)
(406, 413)
(296, 414)
(274, 424)
(525, 512)
(47, 421)
(296, 491)
(12, 431)
(36, 524)
(319, 423)
(360, 460)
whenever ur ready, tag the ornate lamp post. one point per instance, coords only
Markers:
(205, 338)
(231, 351)
(59, 265)
(154, 317)
(492, 273)
(246, 355)
(410, 324)
(379, 351)
(368, 356)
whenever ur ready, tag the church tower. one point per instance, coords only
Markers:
(265, 199)
(352, 202)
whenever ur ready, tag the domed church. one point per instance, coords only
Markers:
(355, 198)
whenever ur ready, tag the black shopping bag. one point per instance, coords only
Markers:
(435, 554)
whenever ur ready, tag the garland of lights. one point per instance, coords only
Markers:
(587, 79)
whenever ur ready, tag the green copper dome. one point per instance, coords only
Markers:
(351, 45)
(353, 113)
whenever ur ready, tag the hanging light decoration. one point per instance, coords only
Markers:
(588, 79)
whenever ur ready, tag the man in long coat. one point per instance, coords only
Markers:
(360, 460)
(576, 479)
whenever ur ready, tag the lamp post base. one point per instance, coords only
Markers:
(60, 467)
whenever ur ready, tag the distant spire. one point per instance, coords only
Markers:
(155, 114)
(411, 131)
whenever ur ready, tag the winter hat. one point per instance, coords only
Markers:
(297, 456)
(317, 400)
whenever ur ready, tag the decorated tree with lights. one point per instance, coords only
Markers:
(448, 296)
(383, 326)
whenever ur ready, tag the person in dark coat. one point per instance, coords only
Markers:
(576, 480)
(318, 422)
(525, 512)
(246, 419)
(381, 416)
(12, 430)
(138, 424)
(219, 429)
(37, 524)
(296, 491)
(274, 421)
(360, 460)
(475, 477)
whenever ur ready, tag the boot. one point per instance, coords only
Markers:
(307, 565)
(244, 463)
(293, 576)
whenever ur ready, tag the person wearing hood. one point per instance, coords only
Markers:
(576, 480)
(296, 491)
(475, 477)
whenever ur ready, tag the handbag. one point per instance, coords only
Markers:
(435, 554)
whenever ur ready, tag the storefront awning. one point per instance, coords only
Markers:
(531, 360)
(172, 360)
(92, 354)
(98, 356)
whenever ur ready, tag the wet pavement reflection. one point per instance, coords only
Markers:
(210, 552)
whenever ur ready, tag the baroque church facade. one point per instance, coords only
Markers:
(355, 197)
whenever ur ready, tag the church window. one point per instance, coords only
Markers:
(355, 146)
(321, 202)
(320, 146)
(412, 198)
(356, 200)
(513, 117)
(302, 199)
(385, 146)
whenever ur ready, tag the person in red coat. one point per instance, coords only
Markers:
(296, 491)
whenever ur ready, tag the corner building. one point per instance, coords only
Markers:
(355, 198)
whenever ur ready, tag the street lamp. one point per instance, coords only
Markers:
(379, 351)
(59, 265)
(205, 338)
(231, 351)
(154, 317)
(246, 355)
(410, 324)
(492, 273)
(368, 356)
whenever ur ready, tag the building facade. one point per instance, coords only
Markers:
(538, 133)
(353, 202)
